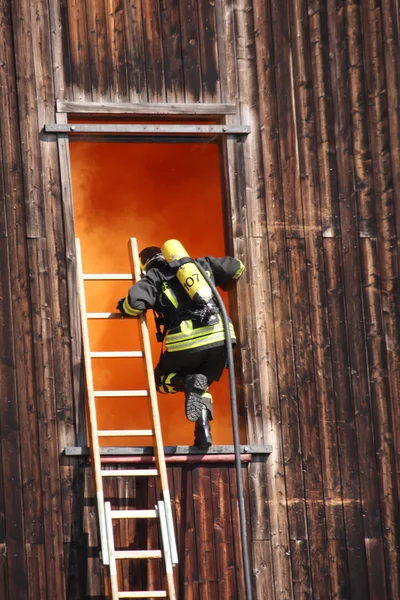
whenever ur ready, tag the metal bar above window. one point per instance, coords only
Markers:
(153, 129)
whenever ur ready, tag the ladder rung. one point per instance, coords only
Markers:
(118, 354)
(127, 432)
(147, 594)
(108, 276)
(103, 315)
(129, 472)
(120, 554)
(133, 514)
(120, 393)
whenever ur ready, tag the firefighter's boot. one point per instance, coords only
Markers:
(195, 386)
(202, 430)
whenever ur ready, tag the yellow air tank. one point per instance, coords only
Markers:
(188, 274)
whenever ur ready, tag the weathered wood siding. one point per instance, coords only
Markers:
(205, 512)
(313, 208)
(138, 51)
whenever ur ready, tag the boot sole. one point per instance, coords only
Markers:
(194, 403)
(193, 406)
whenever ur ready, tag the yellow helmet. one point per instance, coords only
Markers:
(149, 255)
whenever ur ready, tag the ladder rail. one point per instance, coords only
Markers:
(105, 513)
(112, 561)
(93, 431)
(166, 544)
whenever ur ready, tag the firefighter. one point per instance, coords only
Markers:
(193, 352)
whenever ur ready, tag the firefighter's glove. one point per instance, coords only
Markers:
(120, 307)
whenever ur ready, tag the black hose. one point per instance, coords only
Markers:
(235, 427)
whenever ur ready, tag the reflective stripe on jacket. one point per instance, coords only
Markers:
(192, 338)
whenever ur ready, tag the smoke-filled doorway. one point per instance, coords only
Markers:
(154, 192)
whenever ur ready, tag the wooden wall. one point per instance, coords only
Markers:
(314, 210)
(206, 517)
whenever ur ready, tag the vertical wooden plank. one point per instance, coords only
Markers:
(260, 525)
(208, 52)
(223, 535)
(47, 423)
(3, 216)
(59, 369)
(3, 572)
(10, 444)
(288, 405)
(135, 54)
(116, 52)
(260, 529)
(267, 412)
(258, 351)
(315, 271)
(171, 34)
(226, 50)
(191, 50)
(29, 126)
(95, 574)
(60, 43)
(309, 422)
(391, 46)
(391, 41)
(208, 585)
(18, 286)
(382, 417)
(79, 50)
(388, 268)
(232, 162)
(352, 277)
(155, 70)
(317, 336)
(189, 587)
(250, 148)
(377, 584)
(283, 62)
(236, 531)
(57, 300)
(236, 527)
(359, 120)
(3, 546)
(264, 573)
(356, 579)
(75, 550)
(338, 569)
(36, 571)
(97, 51)
(302, 584)
(324, 118)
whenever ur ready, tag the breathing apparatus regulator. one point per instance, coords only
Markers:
(192, 281)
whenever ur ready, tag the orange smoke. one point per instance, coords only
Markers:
(152, 192)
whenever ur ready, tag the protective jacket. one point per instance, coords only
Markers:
(185, 327)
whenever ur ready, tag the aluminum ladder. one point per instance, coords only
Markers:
(162, 510)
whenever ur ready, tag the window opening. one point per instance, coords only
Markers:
(151, 191)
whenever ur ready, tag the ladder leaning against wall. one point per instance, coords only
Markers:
(162, 510)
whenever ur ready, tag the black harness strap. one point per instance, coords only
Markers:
(160, 325)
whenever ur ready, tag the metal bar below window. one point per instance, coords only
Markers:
(168, 450)
(147, 128)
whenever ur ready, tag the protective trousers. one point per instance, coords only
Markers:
(175, 368)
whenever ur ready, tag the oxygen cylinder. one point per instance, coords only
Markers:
(188, 274)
